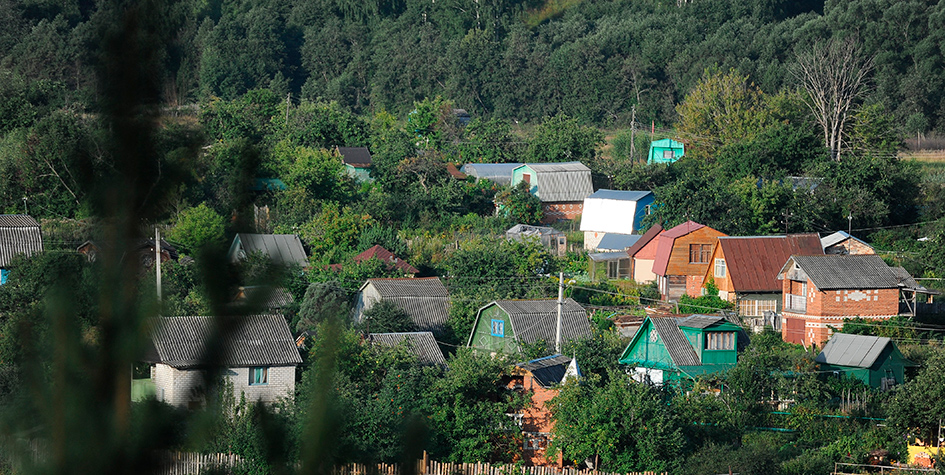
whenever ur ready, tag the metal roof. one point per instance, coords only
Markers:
(619, 242)
(388, 257)
(859, 351)
(753, 262)
(845, 271)
(421, 344)
(358, 157)
(619, 195)
(607, 256)
(281, 248)
(500, 173)
(648, 236)
(667, 240)
(679, 348)
(534, 320)
(425, 299)
(265, 296)
(547, 371)
(567, 181)
(699, 321)
(19, 234)
(254, 340)
(836, 238)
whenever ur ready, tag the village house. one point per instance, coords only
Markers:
(357, 162)
(745, 269)
(643, 254)
(19, 234)
(505, 326)
(540, 379)
(281, 249)
(843, 243)
(820, 291)
(611, 213)
(257, 357)
(420, 344)
(683, 255)
(668, 349)
(425, 300)
(561, 187)
(876, 361)
(665, 151)
(388, 258)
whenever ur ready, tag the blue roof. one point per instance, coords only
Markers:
(618, 241)
(620, 195)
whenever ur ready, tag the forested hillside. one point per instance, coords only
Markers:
(515, 59)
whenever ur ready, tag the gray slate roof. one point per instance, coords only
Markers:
(567, 181)
(837, 238)
(699, 321)
(679, 348)
(19, 234)
(425, 299)
(859, 351)
(268, 297)
(283, 249)
(534, 320)
(255, 340)
(547, 371)
(421, 344)
(846, 272)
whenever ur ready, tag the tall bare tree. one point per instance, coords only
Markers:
(835, 75)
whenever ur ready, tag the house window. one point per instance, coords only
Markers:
(756, 308)
(258, 375)
(498, 328)
(720, 268)
(648, 209)
(669, 154)
(804, 289)
(720, 341)
(699, 253)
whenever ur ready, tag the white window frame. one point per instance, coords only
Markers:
(720, 268)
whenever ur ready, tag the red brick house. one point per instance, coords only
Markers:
(683, 255)
(541, 378)
(823, 290)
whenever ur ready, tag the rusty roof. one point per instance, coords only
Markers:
(753, 262)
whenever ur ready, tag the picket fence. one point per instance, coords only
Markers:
(187, 463)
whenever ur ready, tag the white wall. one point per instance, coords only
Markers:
(184, 387)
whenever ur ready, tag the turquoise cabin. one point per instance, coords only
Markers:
(670, 349)
(665, 151)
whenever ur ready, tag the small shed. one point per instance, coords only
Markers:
(420, 344)
(874, 360)
(357, 162)
(282, 249)
(498, 173)
(665, 151)
(19, 234)
(556, 241)
(609, 212)
(503, 326)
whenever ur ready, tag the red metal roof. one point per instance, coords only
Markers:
(388, 257)
(666, 241)
(753, 262)
(648, 236)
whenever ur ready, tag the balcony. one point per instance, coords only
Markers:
(795, 303)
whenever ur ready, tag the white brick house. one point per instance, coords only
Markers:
(256, 355)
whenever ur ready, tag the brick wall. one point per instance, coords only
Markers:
(694, 285)
(561, 211)
(537, 421)
(186, 387)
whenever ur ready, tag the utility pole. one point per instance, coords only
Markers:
(560, 304)
(288, 102)
(157, 259)
(850, 223)
(633, 128)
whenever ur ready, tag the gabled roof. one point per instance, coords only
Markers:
(832, 272)
(255, 340)
(679, 348)
(838, 237)
(859, 351)
(667, 240)
(425, 299)
(562, 181)
(421, 344)
(386, 256)
(550, 370)
(699, 321)
(358, 157)
(753, 262)
(534, 320)
(648, 236)
(19, 234)
(281, 248)
(618, 242)
(500, 173)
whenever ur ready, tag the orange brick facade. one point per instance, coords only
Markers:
(825, 308)
(561, 211)
(537, 423)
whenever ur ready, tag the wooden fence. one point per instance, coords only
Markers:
(186, 463)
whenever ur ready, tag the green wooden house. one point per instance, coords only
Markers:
(665, 151)
(874, 360)
(504, 326)
(669, 349)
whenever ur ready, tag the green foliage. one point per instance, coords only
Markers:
(917, 406)
(562, 139)
(247, 117)
(197, 228)
(708, 303)
(489, 141)
(387, 317)
(324, 301)
(627, 425)
(597, 353)
(319, 173)
(519, 204)
(335, 228)
(898, 327)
